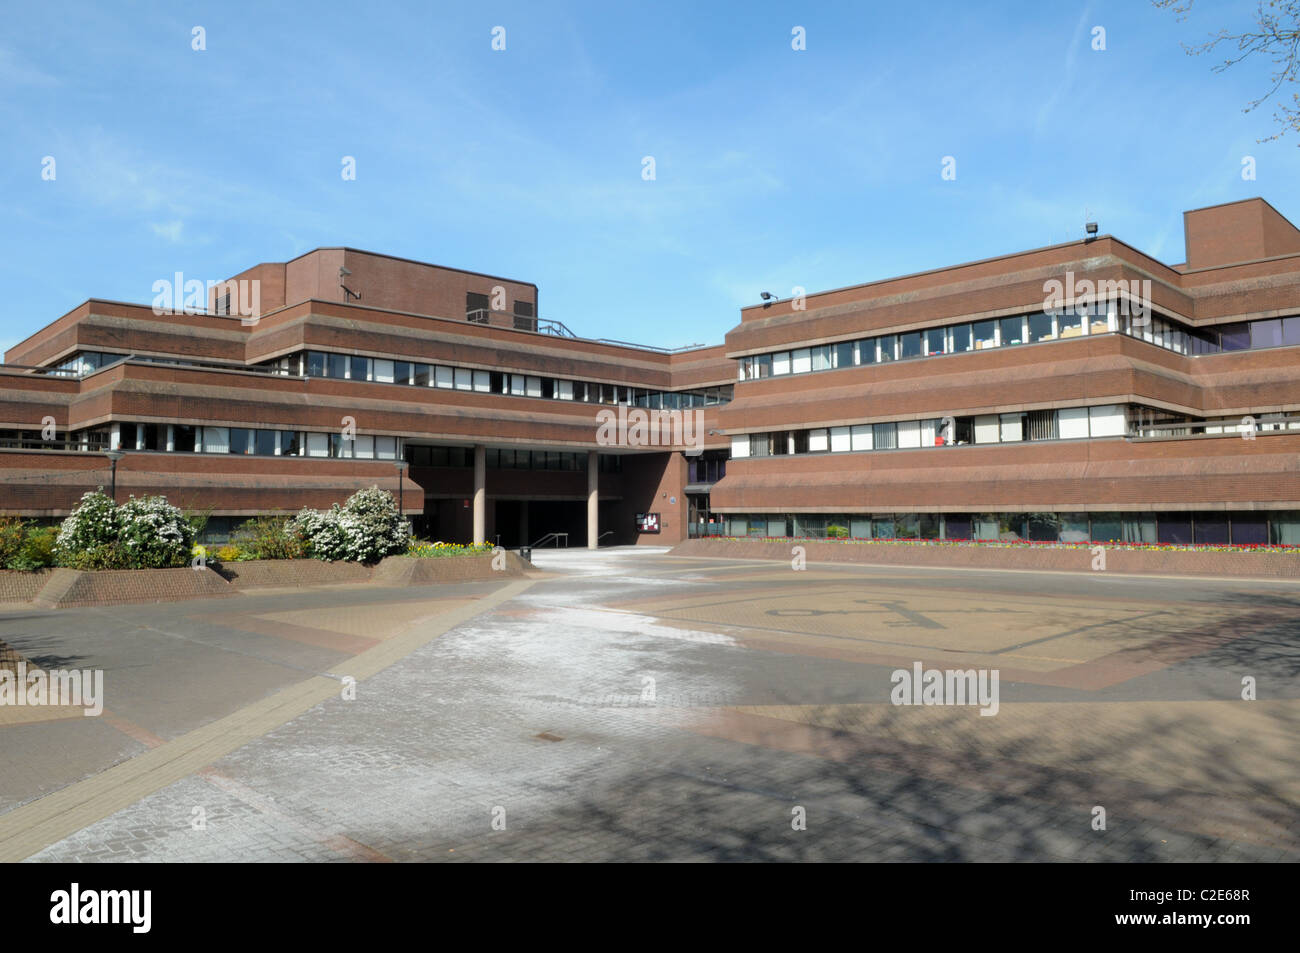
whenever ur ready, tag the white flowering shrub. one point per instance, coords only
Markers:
(153, 533)
(365, 528)
(143, 533)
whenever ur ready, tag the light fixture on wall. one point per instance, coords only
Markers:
(347, 292)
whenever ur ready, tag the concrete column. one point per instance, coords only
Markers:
(523, 524)
(480, 494)
(593, 499)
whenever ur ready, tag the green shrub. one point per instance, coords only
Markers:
(270, 537)
(37, 551)
(25, 546)
(198, 520)
(12, 533)
(837, 532)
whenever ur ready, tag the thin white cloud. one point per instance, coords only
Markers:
(171, 231)
(1046, 111)
(14, 71)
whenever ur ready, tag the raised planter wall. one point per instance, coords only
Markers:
(414, 571)
(1142, 561)
(65, 588)
(22, 586)
(255, 573)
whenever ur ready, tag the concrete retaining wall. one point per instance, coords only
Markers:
(1141, 561)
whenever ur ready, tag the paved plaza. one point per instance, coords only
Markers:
(630, 705)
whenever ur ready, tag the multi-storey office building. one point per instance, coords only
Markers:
(349, 364)
(1081, 391)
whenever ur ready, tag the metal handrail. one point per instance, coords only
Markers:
(651, 347)
(552, 536)
(555, 328)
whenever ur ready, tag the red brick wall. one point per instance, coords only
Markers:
(1099, 475)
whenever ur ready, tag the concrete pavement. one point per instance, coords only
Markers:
(631, 705)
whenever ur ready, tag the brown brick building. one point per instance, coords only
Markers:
(1081, 391)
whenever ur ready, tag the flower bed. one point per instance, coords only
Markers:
(426, 550)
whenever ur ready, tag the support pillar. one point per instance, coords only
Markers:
(593, 499)
(480, 494)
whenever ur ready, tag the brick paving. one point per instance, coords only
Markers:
(602, 715)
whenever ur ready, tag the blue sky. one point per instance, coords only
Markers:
(774, 168)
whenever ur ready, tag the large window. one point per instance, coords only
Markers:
(1011, 331)
(1042, 327)
(961, 338)
(1042, 425)
(1069, 324)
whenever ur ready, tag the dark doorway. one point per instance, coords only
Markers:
(557, 516)
(510, 524)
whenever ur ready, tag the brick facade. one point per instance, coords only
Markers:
(1243, 265)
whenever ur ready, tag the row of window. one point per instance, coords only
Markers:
(1022, 329)
(383, 371)
(296, 443)
(1064, 424)
(376, 370)
(422, 456)
(184, 438)
(1210, 528)
(85, 362)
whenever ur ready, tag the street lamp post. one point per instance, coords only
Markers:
(401, 472)
(113, 457)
